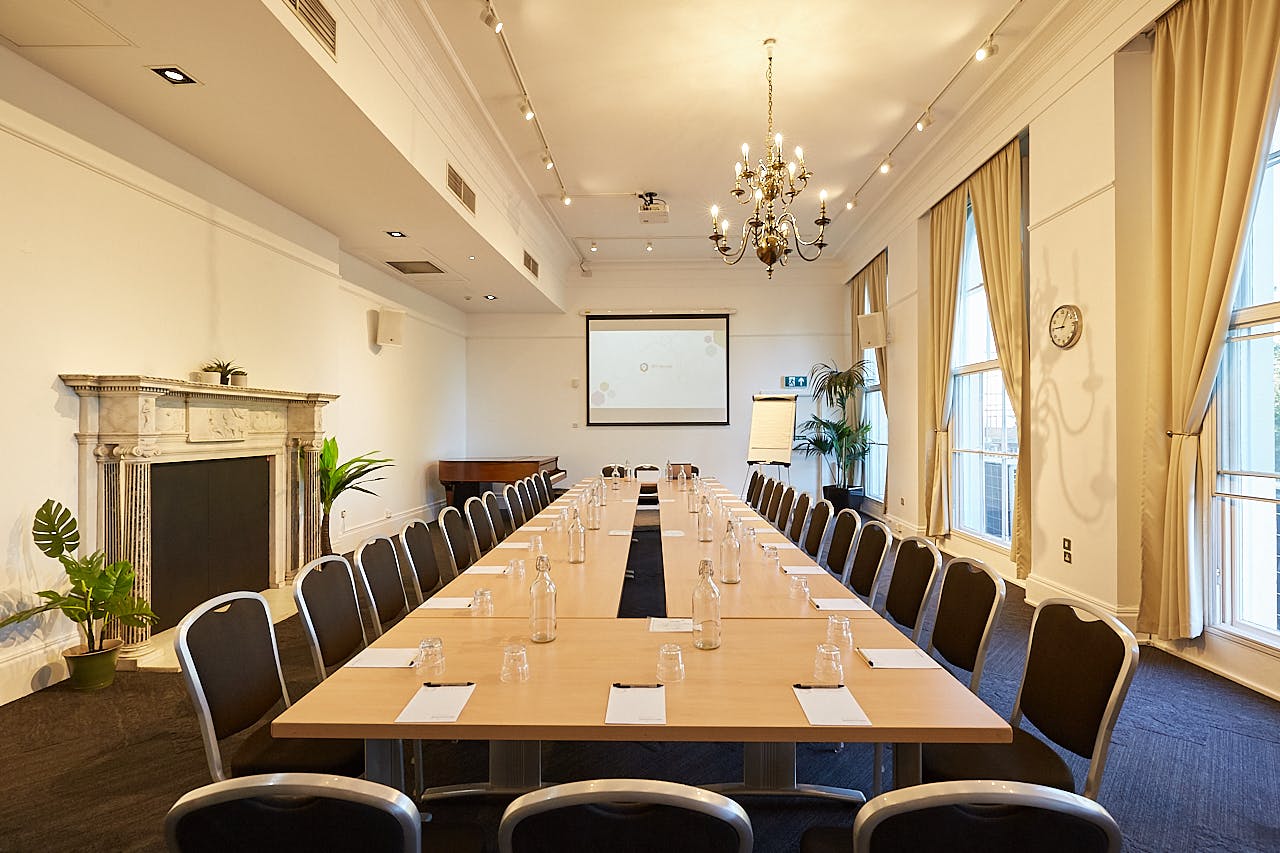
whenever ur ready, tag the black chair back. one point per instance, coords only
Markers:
(329, 608)
(770, 510)
(526, 499)
(762, 498)
(376, 559)
(501, 528)
(915, 567)
(480, 526)
(457, 540)
(417, 543)
(969, 602)
(541, 495)
(868, 558)
(843, 535)
(515, 509)
(783, 514)
(798, 515)
(609, 470)
(547, 485)
(754, 484)
(819, 518)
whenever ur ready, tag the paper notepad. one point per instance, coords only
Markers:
(533, 529)
(911, 658)
(673, 533)
(488, 570)
(523, 546)
(666, 500)
(445, 603)
(789, 570)
(637, 706)
(667, 625)
(825, 706)
(838, 604)
(384, 659)
(619, 532)
(436, 705)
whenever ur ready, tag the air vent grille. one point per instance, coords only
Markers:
(531, 264)
(415, 267)
(318, 20)
(461, 189)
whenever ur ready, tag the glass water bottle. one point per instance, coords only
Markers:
(706, 609)
(706, 521)
(614, 478)
(542, 604)
(730, 555)
(682, 480)
(577, 539)
(593, 513)
(691, 497)
(602, 492)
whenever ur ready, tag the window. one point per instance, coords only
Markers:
(984, 433)
(875, 468)
(1246, 596)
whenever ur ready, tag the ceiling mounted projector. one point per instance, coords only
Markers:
(653, 210)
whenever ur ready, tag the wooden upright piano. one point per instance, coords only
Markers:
(463, 478)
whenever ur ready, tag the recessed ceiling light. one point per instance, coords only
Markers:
(471, 257)
(174, 74)
(594, 247)
(490, 297)
(396, 234)
(648, 247)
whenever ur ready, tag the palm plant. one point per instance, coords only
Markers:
(336, 478)
(226, 368)
(840, 444)
(99, 590)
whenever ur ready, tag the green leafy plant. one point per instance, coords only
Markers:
(840, 444)
(226, 368)
(99, 590)
(336, 478)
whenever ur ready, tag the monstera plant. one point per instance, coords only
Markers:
(841, 444)
(336, 478)
(99, 591)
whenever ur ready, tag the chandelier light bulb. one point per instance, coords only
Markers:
(791, 167)
(799, 153)
(759, 194)
(737, 168)
(715, 211)
(822, 196)
(777, 141)
(724, 225)
(746, 149)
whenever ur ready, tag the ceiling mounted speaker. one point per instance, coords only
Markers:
(871, 331)
(390, 327)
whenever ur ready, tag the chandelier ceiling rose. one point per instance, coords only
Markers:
(770, 188)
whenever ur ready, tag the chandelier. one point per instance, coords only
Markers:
(770, 188)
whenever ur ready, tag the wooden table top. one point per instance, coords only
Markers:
(738, 692)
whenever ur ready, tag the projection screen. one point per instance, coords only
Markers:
(647, 369)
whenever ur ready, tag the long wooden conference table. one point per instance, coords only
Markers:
(738, 693)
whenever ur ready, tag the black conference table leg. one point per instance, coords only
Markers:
(906, 765)
(384, 762)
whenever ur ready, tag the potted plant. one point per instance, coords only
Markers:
(227, 371)
(336, 478)
(840, 444)
(99, 591)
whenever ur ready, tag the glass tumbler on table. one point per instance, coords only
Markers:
(430, 660)
(827, 666)
(482, 602)
(670, 663)
(799, 587)
(515, 663)
(839, 632)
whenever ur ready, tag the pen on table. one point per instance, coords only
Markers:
(448, 683)
(619, 684)
(817, 686)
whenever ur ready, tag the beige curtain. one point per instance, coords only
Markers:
(870, 287)
(995, 191)
(1215, 64)
(946, 243)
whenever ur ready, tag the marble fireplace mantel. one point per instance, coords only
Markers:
(129, 423)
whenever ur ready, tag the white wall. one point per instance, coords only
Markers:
(520, 400)
(107, 268)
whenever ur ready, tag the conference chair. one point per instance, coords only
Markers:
(798, 517)
(376, 560)
(607, 471)
(479, 526)
(419, 549)
(227, 651)
(754, 484)
(969, 603)
(457, 541)
(515, 509)
(972, 817)
(819, 518)
(869, 552)
(762, 500)
(916, 565)
(783, 513)
(526, 500)
(770, 510)
(538, 486)
(688, 468)
(624, 816)
(329, 609)
(501, 526)
(1077, 676)
(843, 534)
(275, 812)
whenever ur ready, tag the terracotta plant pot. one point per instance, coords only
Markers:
(92, 670)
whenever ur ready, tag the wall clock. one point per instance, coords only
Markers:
(1065, 325)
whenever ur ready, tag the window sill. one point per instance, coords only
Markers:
(989, 544)
(1258, 641)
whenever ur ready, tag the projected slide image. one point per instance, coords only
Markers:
(640, 369)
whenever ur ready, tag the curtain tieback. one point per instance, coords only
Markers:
(1170, 433)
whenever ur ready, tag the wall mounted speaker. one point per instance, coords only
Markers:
(871, 331)
(390, 327)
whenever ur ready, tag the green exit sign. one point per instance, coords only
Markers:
(795, 382)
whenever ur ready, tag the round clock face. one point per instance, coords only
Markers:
(1065, 326)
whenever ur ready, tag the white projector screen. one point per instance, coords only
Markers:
(658, 369)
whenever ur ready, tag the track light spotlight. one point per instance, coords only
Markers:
(988, 48)
(924, 121)
(885, 165)
(547, 161)
(594, 247)
(648, 247)
(851, 203)
(490, 18)
(526, 108)
(564, 197)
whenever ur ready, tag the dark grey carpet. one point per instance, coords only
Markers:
(1195, 763)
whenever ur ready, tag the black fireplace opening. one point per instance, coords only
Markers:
(210, 532)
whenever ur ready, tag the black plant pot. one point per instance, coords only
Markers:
(842, 498)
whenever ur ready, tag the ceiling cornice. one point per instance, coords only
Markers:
(1066, 47)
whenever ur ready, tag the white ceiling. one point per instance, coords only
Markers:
(632, 96)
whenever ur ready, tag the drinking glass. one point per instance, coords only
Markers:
(670, 663)
(827, 668)
(430, 658)
(515, 568)
(535, 547)
(482, 602)
(839, 632)
(515, 663)
(771, 558)
(799, 587)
